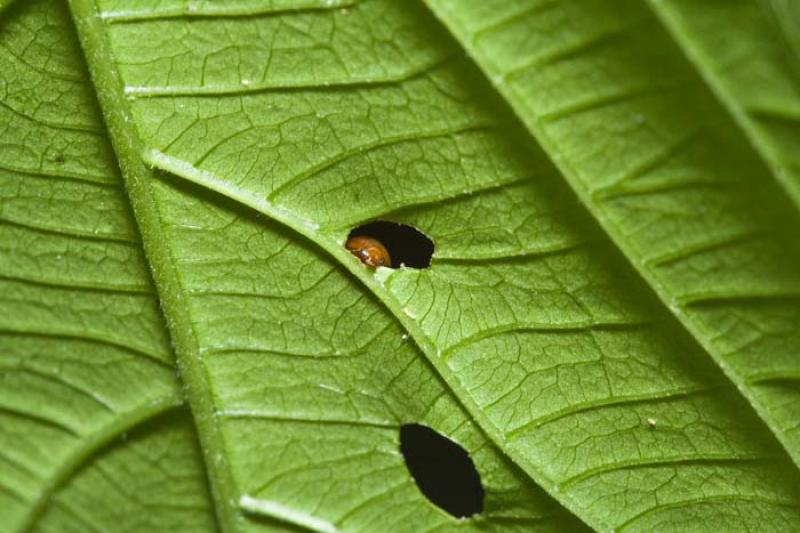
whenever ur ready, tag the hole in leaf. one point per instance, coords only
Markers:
(405, 245)
(442, 469)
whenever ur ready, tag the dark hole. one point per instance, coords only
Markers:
(406, 245)
(442, 469)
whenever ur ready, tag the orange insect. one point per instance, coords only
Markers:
(370, 251)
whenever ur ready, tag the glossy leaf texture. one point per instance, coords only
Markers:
(665, 168)
(252, 137)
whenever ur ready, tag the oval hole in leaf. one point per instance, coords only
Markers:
(406, 245)
(442, 469)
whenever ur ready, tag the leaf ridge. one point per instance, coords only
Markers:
(667, 461)
(693, 45)
(101, 181)
(315, 170)
(60, 231)
(700, 501)
(228, 9)
(85, 336)
(251, 88)
(611, 401)
(90, 446)
(80, 286)
(16, 412)
(233, 413)
(283, 514)
(48, 124)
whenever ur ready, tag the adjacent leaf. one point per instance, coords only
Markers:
(92, 433)
(528, 322)
(749, 51)
(664, 170)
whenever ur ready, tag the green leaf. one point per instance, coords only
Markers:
(665, 171)
(93, 428)
(252, 136)
(749, 52)
(93, 433)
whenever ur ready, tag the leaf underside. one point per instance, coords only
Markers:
(625, 357)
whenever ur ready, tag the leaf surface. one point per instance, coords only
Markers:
(252, 136)
(532, 321)
(665, 170)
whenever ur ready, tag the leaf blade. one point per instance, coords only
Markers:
(317, 133)
(206, 344)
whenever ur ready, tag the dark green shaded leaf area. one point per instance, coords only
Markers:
(609, 326)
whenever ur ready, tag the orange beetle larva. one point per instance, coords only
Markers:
(369, 250)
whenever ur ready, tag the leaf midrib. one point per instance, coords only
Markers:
(138, 179)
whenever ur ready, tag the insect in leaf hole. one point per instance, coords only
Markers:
(390, 244)
(370, 251)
